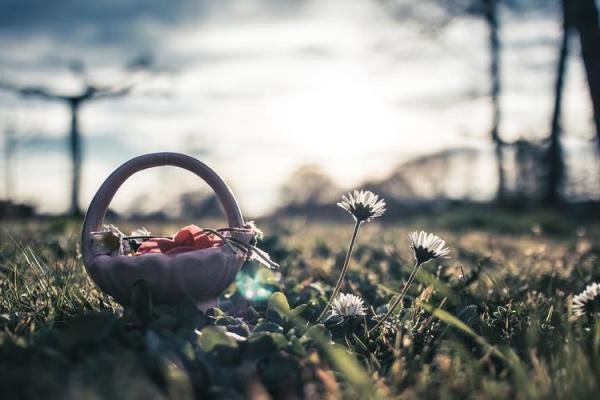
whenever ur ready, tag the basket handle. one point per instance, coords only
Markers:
(97, 209)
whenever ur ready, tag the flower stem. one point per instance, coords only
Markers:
(410, 280)
(338, 285)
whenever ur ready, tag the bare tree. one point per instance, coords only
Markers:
(9, 145)
(491, 17)
(74, 103)
(554, 153)
(587, 23)
(308, 185)
(488, 11)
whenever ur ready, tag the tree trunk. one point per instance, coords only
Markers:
(75, 148)
(555, 162)
(586, 21)
(491, 19)
(9, 153)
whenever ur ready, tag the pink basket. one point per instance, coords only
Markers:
(200, 274)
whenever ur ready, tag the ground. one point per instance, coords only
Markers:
(494, 321)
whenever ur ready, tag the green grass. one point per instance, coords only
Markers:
(493, 322)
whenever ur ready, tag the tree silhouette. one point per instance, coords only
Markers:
(488, 11)
(491, 17)
(74, 103)
(308, 185)
(554, 153)
(10, 144)
(586, 21)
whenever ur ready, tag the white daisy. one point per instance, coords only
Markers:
(258, 233)
(427, 247)
(348, 305)
(587, 301)
(364, 205)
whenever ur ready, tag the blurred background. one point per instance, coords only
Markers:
(431, 103)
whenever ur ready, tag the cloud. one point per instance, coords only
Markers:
(52, 33)
(108, 21)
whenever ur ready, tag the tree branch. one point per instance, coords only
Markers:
(30, 91)
(108, 92)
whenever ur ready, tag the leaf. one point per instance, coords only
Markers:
(261, 344)
(318, 330)
(217, 312)
(268, 327)
(278, 308)
(279, 302)
(354, 373)
(178, 381)
(350, 368)
(295, 347)
(226, 320)
(299, 310)
(449, 319)
(212, 337)
(222, 348)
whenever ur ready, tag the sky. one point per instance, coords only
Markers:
(259, 88)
